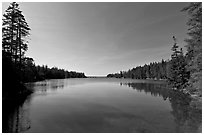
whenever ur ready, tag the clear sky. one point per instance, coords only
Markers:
(102, 38)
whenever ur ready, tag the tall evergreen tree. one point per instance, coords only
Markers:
(177, 74)
(194, 46)
(15, 31)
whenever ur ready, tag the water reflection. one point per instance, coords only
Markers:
(150, 88)
(15, 115)
(187, 118)
(43, 87)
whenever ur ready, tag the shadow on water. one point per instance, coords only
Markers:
(15, 112)
(187, 118)
(15, 115)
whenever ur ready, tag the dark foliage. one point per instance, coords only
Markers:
(182, 71)
(37, 73)
(16, 68)
(194, 47)
(155, 70)
(177, 74)
(10, 75)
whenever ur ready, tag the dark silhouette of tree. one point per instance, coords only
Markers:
(18, 69)
(182, 71)
(177, 74)
(15, 31)
(37, 73)
(194, 46)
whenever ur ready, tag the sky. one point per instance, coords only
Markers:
(102, 38)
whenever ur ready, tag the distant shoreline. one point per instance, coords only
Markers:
(96, 77)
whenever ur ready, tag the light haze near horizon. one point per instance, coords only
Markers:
(102, 38)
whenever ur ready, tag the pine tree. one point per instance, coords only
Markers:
(194, 46)
(177, 74)
(15, 31)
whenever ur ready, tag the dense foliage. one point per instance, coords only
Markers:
(15, 32)
(155, 70)
(16, 67)
(194, 47)
(35, 73)
(177, 73)
(181, 71)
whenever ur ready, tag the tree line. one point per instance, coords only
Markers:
(182, 71)
(36, 73)
(16, 67)
(154, 70)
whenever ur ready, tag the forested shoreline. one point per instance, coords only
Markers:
(183, 72)
(18, 69)
(159, 96)
(155, 70)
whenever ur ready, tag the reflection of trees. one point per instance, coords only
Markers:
(43, 87)
(151, 88)
(187, 118)
(15, 115)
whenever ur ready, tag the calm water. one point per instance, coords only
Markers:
(100, 105)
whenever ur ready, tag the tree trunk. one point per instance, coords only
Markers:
(11, 45)
(20, 42)
(16, 49)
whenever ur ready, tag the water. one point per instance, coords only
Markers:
(100, 105)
